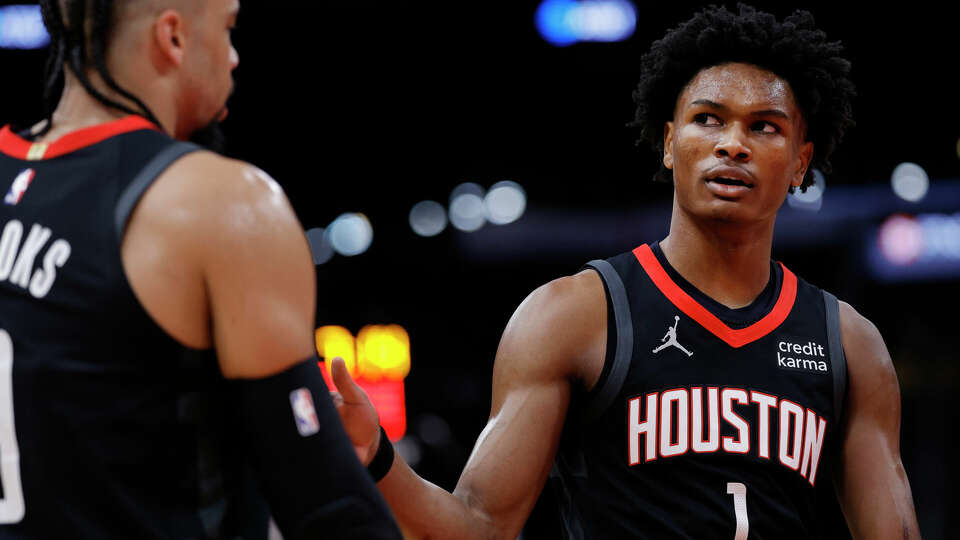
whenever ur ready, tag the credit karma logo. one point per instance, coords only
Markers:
(565, 22)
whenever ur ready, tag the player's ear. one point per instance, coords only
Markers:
(668, 145)
(169, 36)
(803, 163)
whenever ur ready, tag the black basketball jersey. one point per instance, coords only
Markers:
(109, 428)
(707, 422)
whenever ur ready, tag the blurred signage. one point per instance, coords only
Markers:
(378, 359)
(21, 27)
(912, 248)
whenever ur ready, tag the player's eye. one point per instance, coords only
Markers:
(765, 127)
(706, 119)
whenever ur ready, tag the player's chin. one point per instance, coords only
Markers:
(729, 210)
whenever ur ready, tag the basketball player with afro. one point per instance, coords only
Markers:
(692, 387)
(158, 377)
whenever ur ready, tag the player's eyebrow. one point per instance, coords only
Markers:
(765, 112)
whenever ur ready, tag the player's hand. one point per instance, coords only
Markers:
(357, 413)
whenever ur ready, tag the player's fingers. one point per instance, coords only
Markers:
(345, 385)
(337, 399)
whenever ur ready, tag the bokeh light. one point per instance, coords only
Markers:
(434, 430)
(901, 239)
(810, 200)
(351, 234)
(565, 22)
(428, 218)
(21, 27)
(467, 211)
(505, 202)
(910, 182)
(320, 245)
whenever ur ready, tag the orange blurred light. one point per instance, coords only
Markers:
(378, 360)
(334, 341)
(383, 351)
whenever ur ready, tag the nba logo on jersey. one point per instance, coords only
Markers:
(19, 187)
(303, 412)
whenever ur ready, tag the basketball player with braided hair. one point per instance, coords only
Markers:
(692, 387)
(158, 377)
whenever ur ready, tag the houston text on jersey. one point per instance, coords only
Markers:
(672, 423)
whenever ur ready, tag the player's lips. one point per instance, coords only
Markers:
(727, 181)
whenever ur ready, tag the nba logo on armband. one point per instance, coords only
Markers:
(19, 187)
(303, 412)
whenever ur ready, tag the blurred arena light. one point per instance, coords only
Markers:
(434, 430)
(505, 202)
(333, 341)
(21, 27)
(924, 247)
(319, 245)
(350, 234)
(378, 359)
(565, 22)
(467, 211)
(901, 239)
(910, 182)
(409, 450)
(812, 199)
(428, 218)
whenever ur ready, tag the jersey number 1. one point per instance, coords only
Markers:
(739, 492)
(11, 506)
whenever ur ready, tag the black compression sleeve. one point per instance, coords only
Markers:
(306, 465)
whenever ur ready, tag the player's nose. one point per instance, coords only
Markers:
(733, 144)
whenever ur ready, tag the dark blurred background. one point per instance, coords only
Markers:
(371, 107)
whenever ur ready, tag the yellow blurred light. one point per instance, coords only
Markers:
(333, 341)
(383, 351)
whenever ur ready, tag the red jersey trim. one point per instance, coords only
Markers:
(693, 309)
(15, 146)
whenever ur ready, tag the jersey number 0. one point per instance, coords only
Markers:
(11, 506)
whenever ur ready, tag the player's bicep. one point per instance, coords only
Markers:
(538, 358)
(259, 279)
(872, 484)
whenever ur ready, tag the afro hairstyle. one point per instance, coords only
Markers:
(795, 50)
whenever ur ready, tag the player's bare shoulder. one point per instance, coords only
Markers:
(862, 342)
(564, 323)
(207, 226)
(870, 367)
(218, 192)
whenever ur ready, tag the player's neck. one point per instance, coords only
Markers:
(730, 264)
(78, 109)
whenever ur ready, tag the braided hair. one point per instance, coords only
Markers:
(795, 50)
(66, 22)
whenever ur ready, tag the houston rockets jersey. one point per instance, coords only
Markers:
(707, 422)
(109, 428)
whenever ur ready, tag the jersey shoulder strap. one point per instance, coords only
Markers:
(607, 389)
(838, 361)
(144, 179)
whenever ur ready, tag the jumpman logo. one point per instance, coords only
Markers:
(671, 338)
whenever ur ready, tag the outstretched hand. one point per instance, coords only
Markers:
(357, 413)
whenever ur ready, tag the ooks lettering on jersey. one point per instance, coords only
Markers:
(672, 423)
(17, 258)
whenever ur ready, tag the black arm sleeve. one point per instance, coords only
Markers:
(305, 464)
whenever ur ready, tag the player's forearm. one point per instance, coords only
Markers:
(884, 510)
(425, 510)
